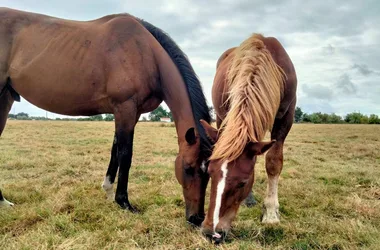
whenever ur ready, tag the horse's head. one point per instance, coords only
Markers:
(231, 182)
(191, 173)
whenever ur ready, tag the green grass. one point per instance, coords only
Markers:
(329, 191)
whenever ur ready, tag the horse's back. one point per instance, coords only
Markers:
(73, 61)
(282, 59)
(58, 57)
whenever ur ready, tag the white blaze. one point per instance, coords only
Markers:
(219, 193)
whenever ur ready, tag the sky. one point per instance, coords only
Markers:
(334, 45)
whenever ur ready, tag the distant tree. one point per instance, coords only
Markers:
(333, 118)
(144, 119)
(324, 117)
(364, 119)
(373, 119)
(39, 118)
(22, 114)
(306, 118)
(355, 117)
(315, 118)
(298, 114)
(85, 119)
(97, 118)
(158, 113)
(12, 116)
(109, 117)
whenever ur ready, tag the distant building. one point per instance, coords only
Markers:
(165, 119)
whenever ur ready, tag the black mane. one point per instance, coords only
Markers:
(193, 85)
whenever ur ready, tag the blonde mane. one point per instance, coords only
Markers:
(255, 85)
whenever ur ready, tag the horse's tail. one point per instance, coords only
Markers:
(256, 85)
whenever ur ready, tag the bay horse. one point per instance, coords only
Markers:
(254, 91)
(117, 64)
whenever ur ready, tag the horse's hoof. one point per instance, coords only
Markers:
(124, 204)
(272, 217)
(5, 203)
(133, 209)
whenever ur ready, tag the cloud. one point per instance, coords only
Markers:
(334, 45)
(328, 50)
(317, 92)
(345, 85)
(363, 69)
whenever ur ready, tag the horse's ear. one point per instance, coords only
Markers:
(211, 132)
(258, 148)
(190, 136)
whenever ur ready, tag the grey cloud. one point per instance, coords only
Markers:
(317, 92)
(345, 85)
(363, 69)
(328, 50)
(342, 35)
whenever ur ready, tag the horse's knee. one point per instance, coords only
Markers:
(274, 159)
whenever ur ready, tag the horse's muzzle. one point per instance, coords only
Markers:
(217, 237)
(196, 220)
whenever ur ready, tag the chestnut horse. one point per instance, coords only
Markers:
(117, 64)
(254, 92)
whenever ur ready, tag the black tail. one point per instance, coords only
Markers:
(193, 85)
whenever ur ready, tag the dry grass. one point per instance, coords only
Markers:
(329, 191)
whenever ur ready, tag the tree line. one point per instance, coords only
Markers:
(25, 116)
(350, 118)
(160, 112)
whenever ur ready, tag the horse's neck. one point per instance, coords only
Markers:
(175, 95)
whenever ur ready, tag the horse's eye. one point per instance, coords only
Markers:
(189, 170)
(241, 184)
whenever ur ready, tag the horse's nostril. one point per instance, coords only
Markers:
(218, 237)
(196, 220)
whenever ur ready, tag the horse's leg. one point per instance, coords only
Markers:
(109, 179)
(6, 102)
(125, 119)
(273, 165)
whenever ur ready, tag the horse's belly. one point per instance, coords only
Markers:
(58, 92)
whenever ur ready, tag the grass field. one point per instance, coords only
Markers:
(329, 191)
